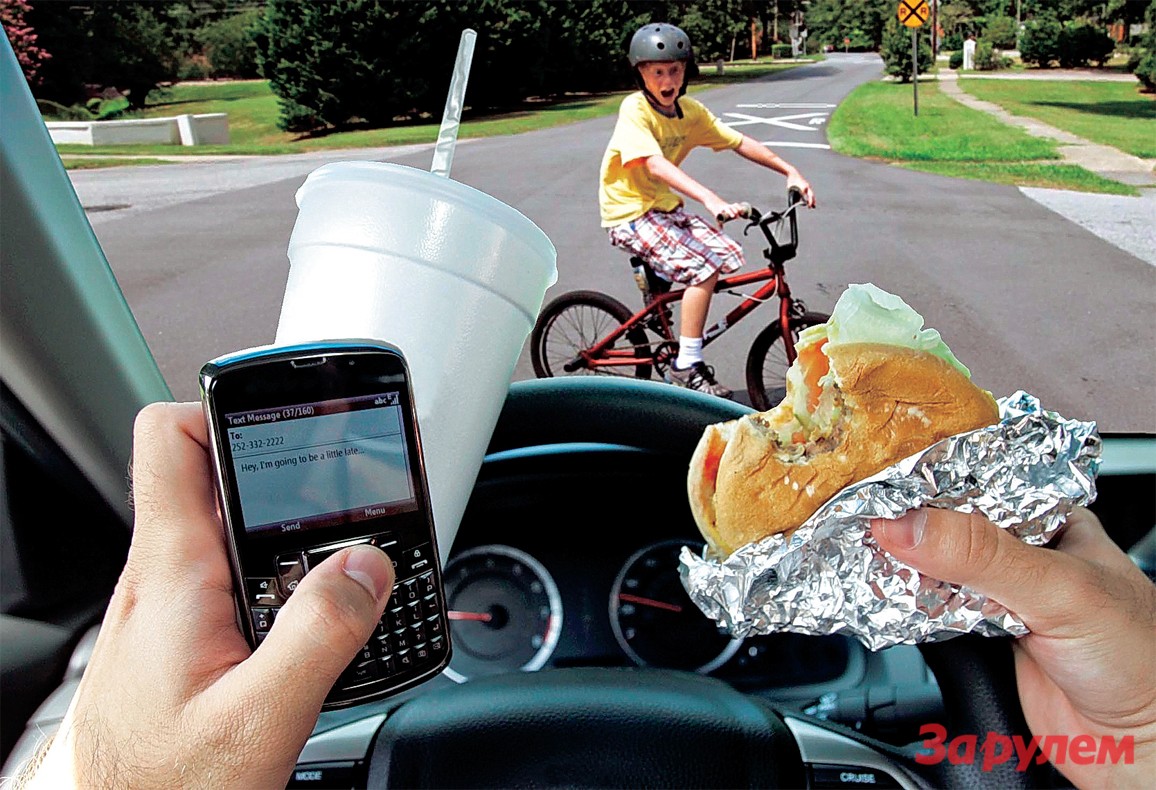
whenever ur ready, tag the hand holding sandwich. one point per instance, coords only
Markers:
(1087, 666)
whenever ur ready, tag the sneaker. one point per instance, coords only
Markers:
(698, 376)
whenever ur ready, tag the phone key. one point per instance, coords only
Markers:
(437, 644)
(387, 665)
(409, 592)
(426, 583)
(413, 614)
(404, 659)
(433, 625)
(260, 635)
(417, 633)
(430, 605)
(422, 653)
(262, 590)
(401, 641)
(290, 572)
(262, 620)
(360, 672)
(396, 618)
(385, 541)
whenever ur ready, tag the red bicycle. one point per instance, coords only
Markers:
(592, 333)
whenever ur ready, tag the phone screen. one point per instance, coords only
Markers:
(321, 464)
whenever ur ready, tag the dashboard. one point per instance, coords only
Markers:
(568, 556)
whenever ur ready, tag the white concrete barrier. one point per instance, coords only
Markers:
(204, 129)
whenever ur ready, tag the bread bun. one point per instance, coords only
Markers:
(767, 473)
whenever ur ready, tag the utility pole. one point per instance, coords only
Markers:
(935, 30)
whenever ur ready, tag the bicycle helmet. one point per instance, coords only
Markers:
(661, 42)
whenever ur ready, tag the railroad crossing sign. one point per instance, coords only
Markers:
(913, 13)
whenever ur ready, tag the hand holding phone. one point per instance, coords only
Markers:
(316, 448)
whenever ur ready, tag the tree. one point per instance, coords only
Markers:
(861, 21)
(1144, 64)
(103, 43)
(1040, 42)
(230, 44)
(23, 39)
(897, 51)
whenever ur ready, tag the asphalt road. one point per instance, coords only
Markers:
(1027, 299)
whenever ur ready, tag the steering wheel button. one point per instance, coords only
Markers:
(846, 776)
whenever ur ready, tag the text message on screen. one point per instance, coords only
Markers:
(321, 463)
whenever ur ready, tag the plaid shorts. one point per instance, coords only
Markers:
(680, 247)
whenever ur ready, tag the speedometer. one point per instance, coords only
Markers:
(654, 619)
(505, 612)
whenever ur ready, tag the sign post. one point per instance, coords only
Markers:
(914, 13)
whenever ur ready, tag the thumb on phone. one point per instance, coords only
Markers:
(327, 620)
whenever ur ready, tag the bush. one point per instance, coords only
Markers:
(1040, 42)
(1081, 44)
(231, 45)
(194, 67)
(956, 60)
(780, 50)
(897, 51)
(988, 58)
(952, 42)
(55, 111)
(1000, 31)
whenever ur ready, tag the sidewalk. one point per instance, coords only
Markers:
(1100, 159)
(1059, 75)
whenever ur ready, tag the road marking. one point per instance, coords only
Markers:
(785, 106)
(783, 121)
(777, 144)
(817, 121)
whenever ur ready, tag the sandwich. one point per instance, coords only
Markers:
(868, 388)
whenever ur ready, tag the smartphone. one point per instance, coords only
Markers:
(316, 448)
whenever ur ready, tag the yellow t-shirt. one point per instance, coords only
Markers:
(625, 192)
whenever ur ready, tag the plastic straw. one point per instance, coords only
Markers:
(443, 156)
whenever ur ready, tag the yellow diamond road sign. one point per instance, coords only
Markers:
(913, 13)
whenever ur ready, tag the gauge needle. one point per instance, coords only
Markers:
(481, 617)
(670, 607)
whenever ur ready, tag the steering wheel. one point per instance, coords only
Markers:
(658, 727)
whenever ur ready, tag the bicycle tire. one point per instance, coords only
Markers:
(767, 361)
(574, 322)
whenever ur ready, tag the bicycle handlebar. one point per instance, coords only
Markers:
(779, 252)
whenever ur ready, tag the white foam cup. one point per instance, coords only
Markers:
(450, 275)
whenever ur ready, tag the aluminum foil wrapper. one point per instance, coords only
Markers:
(1025, 474)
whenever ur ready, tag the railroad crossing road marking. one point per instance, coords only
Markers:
(783, 121)
(785, 106)
(789, 144)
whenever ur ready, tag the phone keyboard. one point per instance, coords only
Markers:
(410, 639)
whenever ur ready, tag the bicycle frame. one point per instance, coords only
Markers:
(601, 355)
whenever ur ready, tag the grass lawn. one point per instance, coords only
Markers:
(876, 121)
(1111, 113)
(253, 111)
(1028, 174)
(75, 163)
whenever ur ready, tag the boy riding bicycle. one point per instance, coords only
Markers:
(657, 128)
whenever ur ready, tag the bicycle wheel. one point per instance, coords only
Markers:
(767, 361)
(574, 322)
